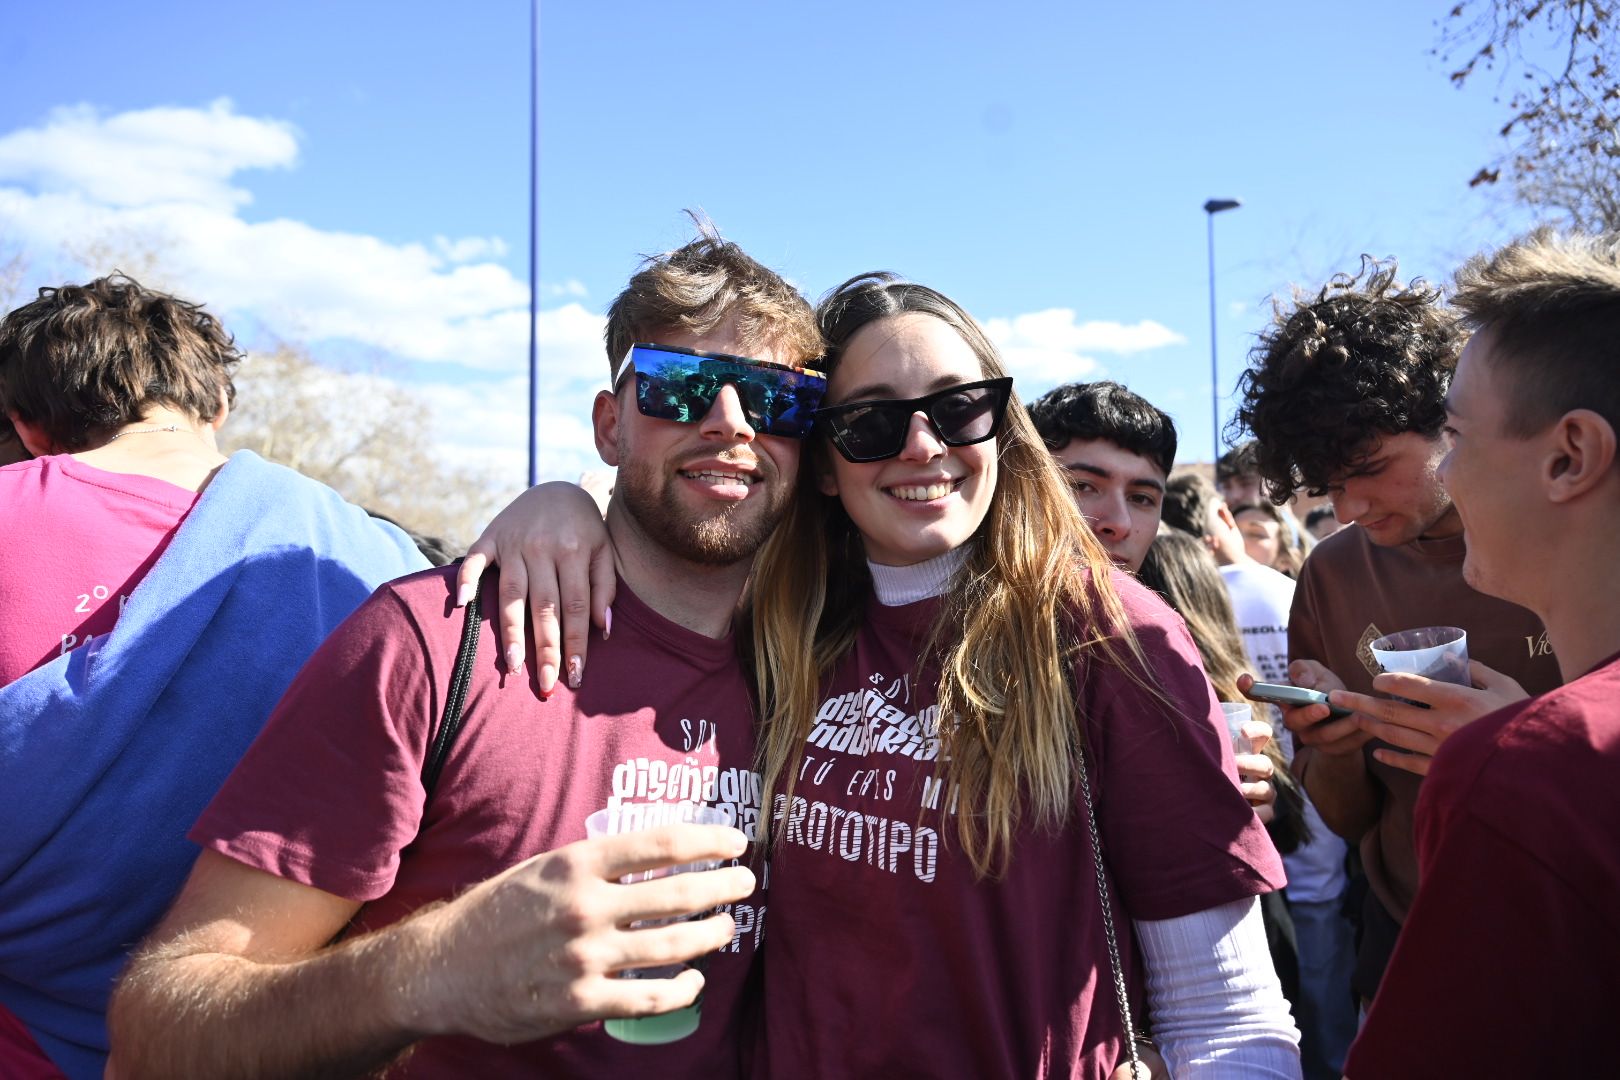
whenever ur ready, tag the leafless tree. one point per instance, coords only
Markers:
(368, 437)
(1558, 63)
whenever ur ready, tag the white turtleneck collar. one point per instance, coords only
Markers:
(899, 585)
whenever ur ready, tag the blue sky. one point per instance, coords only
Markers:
(355, 175)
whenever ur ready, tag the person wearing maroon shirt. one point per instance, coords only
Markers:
(1345, 396)
(903, 940)
(342, 916)
(997, 773)
(1509, 962)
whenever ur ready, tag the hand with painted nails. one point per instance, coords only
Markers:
(1256, 771)
(555, 559)
(1416, 731)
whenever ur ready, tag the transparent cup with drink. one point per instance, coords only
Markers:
(634, 817)
(1434, 652)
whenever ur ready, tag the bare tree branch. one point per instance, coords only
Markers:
(1564, 127)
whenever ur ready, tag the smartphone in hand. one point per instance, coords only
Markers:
(1290, 697)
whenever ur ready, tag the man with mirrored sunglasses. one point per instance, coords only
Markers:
(681, 384)
(341, 914)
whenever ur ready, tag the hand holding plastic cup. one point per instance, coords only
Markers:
(1434, 652)
(634, 817)
(1237, 714)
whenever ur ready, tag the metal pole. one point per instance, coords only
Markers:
(1214, 361)
(1211, 208)
(534, 240)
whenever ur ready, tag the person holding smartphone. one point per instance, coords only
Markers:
(1509, 962)
(1345, 396)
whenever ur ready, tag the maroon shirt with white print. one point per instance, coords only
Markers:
(330, 795)
(888, 957)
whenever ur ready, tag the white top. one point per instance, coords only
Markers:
(1261, 599)
(1218, 1010)
(897, 586)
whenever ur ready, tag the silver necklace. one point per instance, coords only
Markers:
(142, 431)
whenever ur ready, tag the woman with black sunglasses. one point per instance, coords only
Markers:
(950, 671)
(961, 702)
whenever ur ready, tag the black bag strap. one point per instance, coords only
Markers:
(456, 699)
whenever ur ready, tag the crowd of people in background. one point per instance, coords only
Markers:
(974, 695)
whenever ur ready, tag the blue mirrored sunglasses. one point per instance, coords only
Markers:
(679, 384)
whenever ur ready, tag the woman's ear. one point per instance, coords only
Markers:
(821, 463)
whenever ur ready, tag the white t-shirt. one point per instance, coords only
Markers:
(1261, 599)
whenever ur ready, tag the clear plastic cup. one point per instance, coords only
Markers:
(1237, 714)
(633, 817)
(1435, 652)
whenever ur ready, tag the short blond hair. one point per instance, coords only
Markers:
(699, 286)
(1550, 302)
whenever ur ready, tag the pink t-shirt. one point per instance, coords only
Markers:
(1509, 962)
(77, 540)
(330, 794)
(887, 957)
(20, 1056)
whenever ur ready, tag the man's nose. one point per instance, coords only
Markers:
(726, 418)
(1109, 516)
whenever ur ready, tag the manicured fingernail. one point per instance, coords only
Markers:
(514, 659)
(548, 679)
(607, 625)
(464, 594)
(576, 671)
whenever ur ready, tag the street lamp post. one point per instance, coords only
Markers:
(534, 241)
(1211, 208)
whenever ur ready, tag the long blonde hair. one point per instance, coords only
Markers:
(1028, 612)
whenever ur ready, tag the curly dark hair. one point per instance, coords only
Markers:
(1364, 356)
(1105, 410)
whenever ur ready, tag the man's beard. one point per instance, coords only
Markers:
(725, 537)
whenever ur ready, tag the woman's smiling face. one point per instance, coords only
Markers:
(930, 498)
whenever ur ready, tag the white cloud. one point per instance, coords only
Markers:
(158, 189)
(470, 248)
(162, 179)
(1042, 348)
(149, 156)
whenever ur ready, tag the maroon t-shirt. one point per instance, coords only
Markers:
(887, 957)
(1509, 962)
(330, 794)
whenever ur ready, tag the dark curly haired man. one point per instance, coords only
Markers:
(1509, 962)
(1345, 396)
